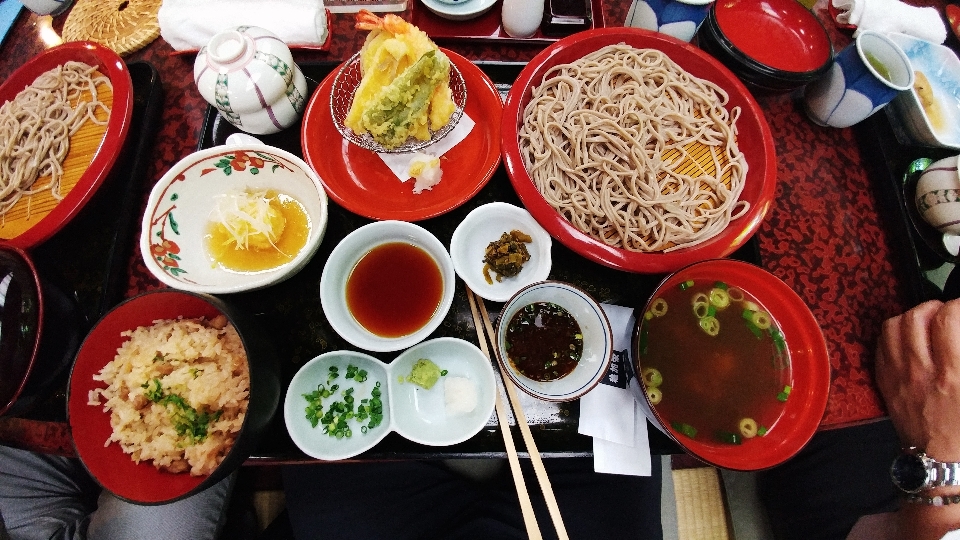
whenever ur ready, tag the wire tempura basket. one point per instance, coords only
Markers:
(341, 98)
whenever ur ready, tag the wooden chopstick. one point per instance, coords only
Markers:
(484, 333)
(526, 508)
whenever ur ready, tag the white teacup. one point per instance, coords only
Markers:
(937, 199)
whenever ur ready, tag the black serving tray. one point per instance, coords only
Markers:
(894, 166)
(88, 257)
(291, 310)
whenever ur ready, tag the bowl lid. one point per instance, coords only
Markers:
(20, 320)
(802, 44)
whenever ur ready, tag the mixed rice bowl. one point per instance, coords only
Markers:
(177, 393)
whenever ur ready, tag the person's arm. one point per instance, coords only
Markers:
(918, 373)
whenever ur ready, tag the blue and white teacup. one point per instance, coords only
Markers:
(866, 75)
(677, 18)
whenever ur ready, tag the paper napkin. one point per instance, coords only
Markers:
(892, 16)
(610, 414)
(399, 163)
(190, 24)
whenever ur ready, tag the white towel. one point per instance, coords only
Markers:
(190, 24)
(892, 16)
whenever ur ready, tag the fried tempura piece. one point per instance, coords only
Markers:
(388, 102)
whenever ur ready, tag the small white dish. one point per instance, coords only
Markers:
(411, 411)
(486, 224)
(312, 440)
(941, 67)
(178, 214)
(459, 11)
(344, 258)
(421, 415)
(597, 340)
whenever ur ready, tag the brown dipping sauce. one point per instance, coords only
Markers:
(394, 289)
(544, 341)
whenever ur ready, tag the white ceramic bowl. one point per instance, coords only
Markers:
(180, 205)
(459, 10)
(415, 413)
(941, 67)
(47, 7)
(346, 255)
(486, 224)
(597, 340)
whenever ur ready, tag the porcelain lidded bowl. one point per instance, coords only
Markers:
(249, 75)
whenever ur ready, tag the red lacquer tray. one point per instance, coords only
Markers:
(485, 27)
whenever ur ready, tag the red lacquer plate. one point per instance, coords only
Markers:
(809, 360)
(101, 157)
(358, 180)
(753, 137)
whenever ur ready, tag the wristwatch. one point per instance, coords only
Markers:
(914, 471)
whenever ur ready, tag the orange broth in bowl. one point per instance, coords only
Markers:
(713, 362)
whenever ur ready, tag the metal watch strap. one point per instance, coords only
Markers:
(944, 474)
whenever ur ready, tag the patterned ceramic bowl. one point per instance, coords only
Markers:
(178, 226)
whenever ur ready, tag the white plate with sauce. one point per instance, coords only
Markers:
(938, 122)
(182, 205)
(486, 224)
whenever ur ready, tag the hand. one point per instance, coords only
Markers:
(918, 372)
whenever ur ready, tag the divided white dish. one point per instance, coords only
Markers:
(413, 412)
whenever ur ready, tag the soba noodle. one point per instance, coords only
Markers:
(634, 151)
(35, 129)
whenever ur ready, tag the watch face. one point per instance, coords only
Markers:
(909, 473)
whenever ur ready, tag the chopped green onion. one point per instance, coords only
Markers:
(728, 437)
(654, 395)
(748, 428)
(685, 429)
(710, 325)
(719, 298)
(652, 377)
(720, 285)
(761, 431)
(686, 285)
(659, 307)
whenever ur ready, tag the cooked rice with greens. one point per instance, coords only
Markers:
(177, 393)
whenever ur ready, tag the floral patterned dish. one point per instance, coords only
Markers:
(181, 205)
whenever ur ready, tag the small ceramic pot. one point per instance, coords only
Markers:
(938, 196)
(249, 75)
(677, 18)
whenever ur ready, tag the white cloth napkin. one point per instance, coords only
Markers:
(399, 163)
(610, 414)
(892, 16)
(190, 24)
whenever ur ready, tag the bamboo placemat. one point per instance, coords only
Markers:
(125, 26)
(701, 514)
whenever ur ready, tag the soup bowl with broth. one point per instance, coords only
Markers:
(732, 365)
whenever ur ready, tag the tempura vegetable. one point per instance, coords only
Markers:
(404, 90)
